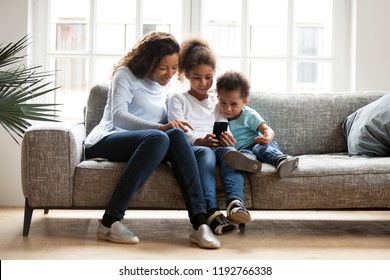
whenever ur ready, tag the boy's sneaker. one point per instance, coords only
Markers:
(287, 166)
(242, 162)
(117, 233)
(220, 225)
(204, 237)
(237, 213)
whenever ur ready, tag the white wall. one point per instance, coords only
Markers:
(372, 45)
(371, 58)
(13, 22)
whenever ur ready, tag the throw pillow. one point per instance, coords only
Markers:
(368, 129)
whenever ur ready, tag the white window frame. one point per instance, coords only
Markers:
(39, 51)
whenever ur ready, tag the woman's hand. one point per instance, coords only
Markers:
(176, 124)
(227, 139)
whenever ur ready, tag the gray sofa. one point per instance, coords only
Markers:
(55, 175)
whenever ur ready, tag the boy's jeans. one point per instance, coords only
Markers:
(268, 153)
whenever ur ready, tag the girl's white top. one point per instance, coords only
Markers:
(201, 115)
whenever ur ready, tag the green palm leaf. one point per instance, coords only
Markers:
(19, 85)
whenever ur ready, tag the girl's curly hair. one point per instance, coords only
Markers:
(145, 56)
(194, 52)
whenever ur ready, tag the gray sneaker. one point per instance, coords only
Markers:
(205, 238)
(287, 166)
(242, 162)
(118, 233)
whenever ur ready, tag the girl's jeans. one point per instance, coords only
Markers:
(206, 161)
(232, 180)
(144, 150)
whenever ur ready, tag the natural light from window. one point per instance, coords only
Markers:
(281, 45)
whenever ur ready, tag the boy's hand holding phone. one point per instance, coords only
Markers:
(221, 133)
(219, 127)
(227, 139)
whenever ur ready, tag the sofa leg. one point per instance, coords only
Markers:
(46, 211)
(28, 211)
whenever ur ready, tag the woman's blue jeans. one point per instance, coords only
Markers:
(144, 150)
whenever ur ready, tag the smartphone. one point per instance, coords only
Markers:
(219, 127)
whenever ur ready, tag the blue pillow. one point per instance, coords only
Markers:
(368, 129)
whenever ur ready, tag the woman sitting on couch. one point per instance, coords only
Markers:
(134, 129)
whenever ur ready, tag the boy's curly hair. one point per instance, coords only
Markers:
(145, 56)
(195, 52)
(233, 80)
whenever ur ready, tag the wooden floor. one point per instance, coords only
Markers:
(274, 235)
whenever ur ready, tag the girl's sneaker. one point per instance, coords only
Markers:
(220, 225)
(204, 237)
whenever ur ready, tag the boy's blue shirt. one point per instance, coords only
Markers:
(244, 128)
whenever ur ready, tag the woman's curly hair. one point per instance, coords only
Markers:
(146, 55)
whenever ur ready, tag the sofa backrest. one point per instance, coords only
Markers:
(304, 123)
(309, 123)
(95, 106)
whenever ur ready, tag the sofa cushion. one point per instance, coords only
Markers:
(160, 190)
(328, 181)
(368, 129)
(95, 106)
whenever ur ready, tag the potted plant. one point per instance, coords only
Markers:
(19, 84)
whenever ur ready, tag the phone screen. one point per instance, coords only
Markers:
(219, 127)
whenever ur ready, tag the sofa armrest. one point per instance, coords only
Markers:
(50, 154)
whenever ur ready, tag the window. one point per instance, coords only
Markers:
(281, 45)
(288, 45)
